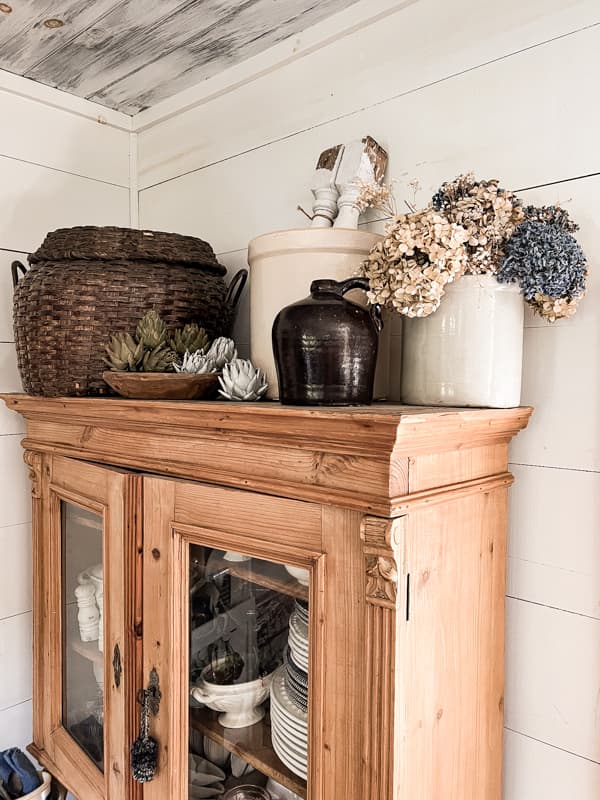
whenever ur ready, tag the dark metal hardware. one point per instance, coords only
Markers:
(117, 666)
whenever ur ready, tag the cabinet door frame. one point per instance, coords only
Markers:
(115, 496)
(167, 538)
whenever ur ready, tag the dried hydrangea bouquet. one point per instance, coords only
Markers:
(473, 253)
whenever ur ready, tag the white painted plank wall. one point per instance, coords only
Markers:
(57, 168)
(500, 88)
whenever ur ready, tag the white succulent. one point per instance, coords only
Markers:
(222, 351)
(242, 381)
(196, 363)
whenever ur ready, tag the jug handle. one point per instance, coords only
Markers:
(363, 283)
(235, 288)
(15, 267)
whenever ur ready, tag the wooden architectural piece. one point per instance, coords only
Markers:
(398, 513)
(325, 207)
(363, 161)
(34, 465)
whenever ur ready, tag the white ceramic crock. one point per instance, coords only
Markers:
(240, 702)
(283, 264)
(470, 351)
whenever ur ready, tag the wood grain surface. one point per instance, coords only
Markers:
(131, 54)
(319, 455)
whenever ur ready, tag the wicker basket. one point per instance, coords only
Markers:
(85, 284)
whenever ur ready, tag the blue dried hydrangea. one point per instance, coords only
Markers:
(553, 215)
(544, 259)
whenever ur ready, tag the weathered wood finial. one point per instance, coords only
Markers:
(325, 207)
(363, 161)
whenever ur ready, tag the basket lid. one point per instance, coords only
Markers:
(125, 244)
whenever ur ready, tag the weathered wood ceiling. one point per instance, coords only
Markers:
(130, 54)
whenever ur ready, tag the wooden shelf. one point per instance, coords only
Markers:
(271, 576)
(253, 744)
(89, 650)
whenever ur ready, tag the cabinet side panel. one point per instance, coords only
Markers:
(450, 669)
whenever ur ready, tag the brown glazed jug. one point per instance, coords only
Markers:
(325, 347)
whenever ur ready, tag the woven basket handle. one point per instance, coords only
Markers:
(235, 289)
(15, 267)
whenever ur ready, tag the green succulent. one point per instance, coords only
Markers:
(152, 330)
(159, 359)
(124, 353)
(189, 339)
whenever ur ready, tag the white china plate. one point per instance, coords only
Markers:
(298, 643)
(301, 575)
(300, 659)
(302, 653)
(282, 715)
(297, 746)
(296, 634)
(278, 691)
(295, 649)
(299, 757)
(299, 626)
(297, 767)
(285, 726)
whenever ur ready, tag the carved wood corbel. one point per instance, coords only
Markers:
(381, 540)
(34, 464)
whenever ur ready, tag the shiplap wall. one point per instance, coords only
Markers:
(57, 168)
(448, 87)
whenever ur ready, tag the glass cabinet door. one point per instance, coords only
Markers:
(82, 600)
(248, 675)
(233, 620)
(87, 667)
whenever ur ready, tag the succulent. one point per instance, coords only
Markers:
(242, 381)
(196, 363)
(124, 353)
(222, 351)
(189, 339)
(152, 330)
(159, 359)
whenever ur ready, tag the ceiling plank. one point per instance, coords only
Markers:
(139, 55)
(134, 33)
(246, 30)
(25, 40)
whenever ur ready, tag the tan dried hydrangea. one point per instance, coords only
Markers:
(376, 195)
(489, 214)
(553, 308)
(409, 268)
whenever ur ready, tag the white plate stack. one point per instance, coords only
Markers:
(298, 636)
(289, 727)
(289, 717)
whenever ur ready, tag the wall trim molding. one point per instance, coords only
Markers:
(134, 193)
(55, 98)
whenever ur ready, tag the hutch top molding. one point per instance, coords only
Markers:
(380, 459)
